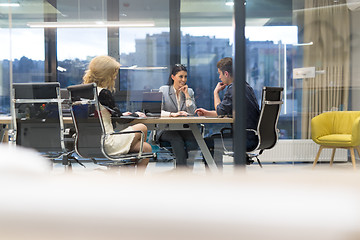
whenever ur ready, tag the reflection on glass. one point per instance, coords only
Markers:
(207, 36)
(269, 63)
(27, 55)
(201, 49)
(76, 47)
(144, 56)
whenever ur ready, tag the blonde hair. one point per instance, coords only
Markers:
(102, 71)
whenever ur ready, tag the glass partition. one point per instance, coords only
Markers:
(75, 48)
(312, 54)
(5, 71)
(144, 51)
(308, 47)
(207, 35)
(21, 48)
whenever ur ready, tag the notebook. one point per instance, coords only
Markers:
(151, 104)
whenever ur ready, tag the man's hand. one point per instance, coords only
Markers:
(205, 113)
(201, 111)
(219, 87)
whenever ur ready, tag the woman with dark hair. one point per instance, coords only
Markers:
(178, 100)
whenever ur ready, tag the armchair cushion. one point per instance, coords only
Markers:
(336, 140)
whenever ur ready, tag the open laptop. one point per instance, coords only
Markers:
(151, 104)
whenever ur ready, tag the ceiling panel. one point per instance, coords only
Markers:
(193, 12)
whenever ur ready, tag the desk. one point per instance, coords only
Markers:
(186, 123)
(169, 123)
(5, 122)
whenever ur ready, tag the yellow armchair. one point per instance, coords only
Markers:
(337, 130)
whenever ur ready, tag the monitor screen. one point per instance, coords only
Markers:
(152, 102)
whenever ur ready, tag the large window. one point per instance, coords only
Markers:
(269, 63)
(206, 36)
(75, 48)
(283, 38)
(144, 58)
(22, 54)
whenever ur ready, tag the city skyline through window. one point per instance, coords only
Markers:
(73, 45)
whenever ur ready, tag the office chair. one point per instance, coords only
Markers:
(90, 131)
(266, 131)
(37, 119)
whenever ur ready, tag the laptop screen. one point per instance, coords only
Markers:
(152, 102)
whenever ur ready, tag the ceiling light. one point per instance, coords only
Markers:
(9, 4)
(98, 24)
(229, 3)
(135, 67)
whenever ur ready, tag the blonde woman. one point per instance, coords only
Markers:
(103, 71)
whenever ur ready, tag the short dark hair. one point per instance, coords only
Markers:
(225, 64)
(176, 68)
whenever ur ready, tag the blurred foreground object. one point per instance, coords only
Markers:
(308, 205)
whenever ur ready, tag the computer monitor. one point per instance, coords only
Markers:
(151, 104)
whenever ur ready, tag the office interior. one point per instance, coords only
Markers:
(308, 47)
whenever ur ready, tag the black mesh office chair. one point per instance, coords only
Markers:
(90, 131)
(37, 119)
(267, 131)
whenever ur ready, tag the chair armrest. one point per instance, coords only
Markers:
(223, 130)
(252, 130)
(355, 135)
(321, 125)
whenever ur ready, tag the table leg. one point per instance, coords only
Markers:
(2, 131)
(203, 147)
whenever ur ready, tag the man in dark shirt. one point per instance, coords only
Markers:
(225, 106)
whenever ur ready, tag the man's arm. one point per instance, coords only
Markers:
(225, 106)
(219, 87)
(206, 113)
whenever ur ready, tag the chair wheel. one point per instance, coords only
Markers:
(249, 161)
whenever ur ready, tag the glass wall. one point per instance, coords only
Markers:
(311, 51)
(75, 48)
(140, 42)
(307, 47)
(206, 36)
(144, 50)
(21, 48)
(269, 33)
(5, 71)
